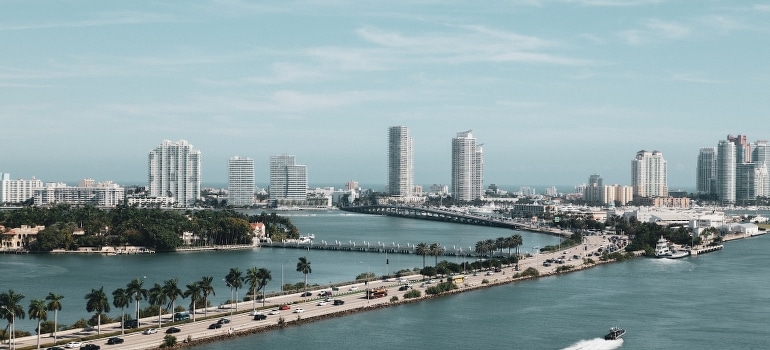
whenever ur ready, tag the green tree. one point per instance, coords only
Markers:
(303, 266)
(54, 304)
(207, 288)
(37, 311)
(137, 293)
(193, 291)
(121, 299)
(234, 279)
(436, 250)
(157, 297)
(97, 302)
(264, 276)
(423, 249)
(172, 292)
(11, 309)
(252, 279)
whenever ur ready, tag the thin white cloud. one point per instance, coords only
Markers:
(655, 30)
(614, 3)
(694, 78)
(99, 20)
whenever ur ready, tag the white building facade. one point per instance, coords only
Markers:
(240, 181)
(726, 166)
(400, 162)
(174, 170)
(648, 174)
(104, 194)
(17, 191)
(288, 180)
(467, 167)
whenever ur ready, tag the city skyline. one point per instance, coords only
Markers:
(86, 95)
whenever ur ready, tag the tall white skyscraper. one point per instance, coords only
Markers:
(174, 170)
(400, 162)
(706, 170)
(648, 174)
(288, 180)
(240, 181)
(726, 166)
(467, 167)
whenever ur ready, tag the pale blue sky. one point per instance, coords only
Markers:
(556, 90)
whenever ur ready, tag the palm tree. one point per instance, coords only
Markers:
(481, 248)
(172, 291)
(303, 265)
(37, 311)
(264, 276)
(97, 302)
(423, 249)
(136, 292)
(252, 279)
(234, 280)
(157, 297)
(193, 291)
(436, 249)
(206, 289)
(121, 299)
(11, 309)
(490, 244)
(54, 304)
(517, 241)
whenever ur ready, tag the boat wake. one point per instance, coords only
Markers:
(596, 344)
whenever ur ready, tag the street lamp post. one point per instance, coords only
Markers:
(366, 281)
(11, 344)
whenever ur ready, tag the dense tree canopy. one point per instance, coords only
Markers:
(70, 227)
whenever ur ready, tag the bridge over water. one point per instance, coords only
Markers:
(435, 214)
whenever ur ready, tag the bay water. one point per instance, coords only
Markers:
(714, 301)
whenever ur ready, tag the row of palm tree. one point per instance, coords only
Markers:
(424, 249)
(489, 246)
(11, 309)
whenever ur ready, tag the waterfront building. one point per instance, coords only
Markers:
(467, 167)
(760, 152)
(240, 181)
(17, 191)
(102, 194)
(726, 167)
(288, 180)
(706, 172)
(14, 238)
(648, 174)
(174, 170)
(400, 162)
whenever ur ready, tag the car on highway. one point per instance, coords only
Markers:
(284, 307)
(56, 348)
(171, 330)
(115, 340)
(90, 346)
(73, 345)
(259, 317)
(354, 288)
(299, 310)
(322, 303)
(215, 325)
(150, 331)
(223, 321)
(254, 313)
(274, 312)
(339, 302)
(306, 294)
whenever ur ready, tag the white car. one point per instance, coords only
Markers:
(299, 310)
(274, 312)
(354, 288)
(150, 331)
(255, 312)
(321, 303)
(73, 345)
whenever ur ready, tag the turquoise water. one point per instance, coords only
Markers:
(713, 301)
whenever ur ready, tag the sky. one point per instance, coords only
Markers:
(556, 90)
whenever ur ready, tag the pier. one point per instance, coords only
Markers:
(370, 247)
(435, 214)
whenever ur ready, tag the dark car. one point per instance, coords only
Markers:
(56, 348)
(173, 330)
(404, 287)
(90, 346)
(259, 317)
(338, 302)
(223, 321)
(214, 326)
(115, 340)
(130, 324)
(306, 294)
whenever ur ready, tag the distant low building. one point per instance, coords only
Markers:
(103, 194)
(14, 239)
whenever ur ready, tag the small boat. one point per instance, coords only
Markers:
(664, 250)
(615, 333)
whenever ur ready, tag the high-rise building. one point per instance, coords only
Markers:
(726, 171)
(760, 153)
(240, 181)
(467, 167)
(288, 180)
(706, 170)
(400, 162)
(17, 191)
(174, 170)
(648, 174)
(595, 180)
(742, 148)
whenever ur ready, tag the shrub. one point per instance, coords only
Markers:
(531, 271)
(393, 299)
(414, 293)
(169, 341)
